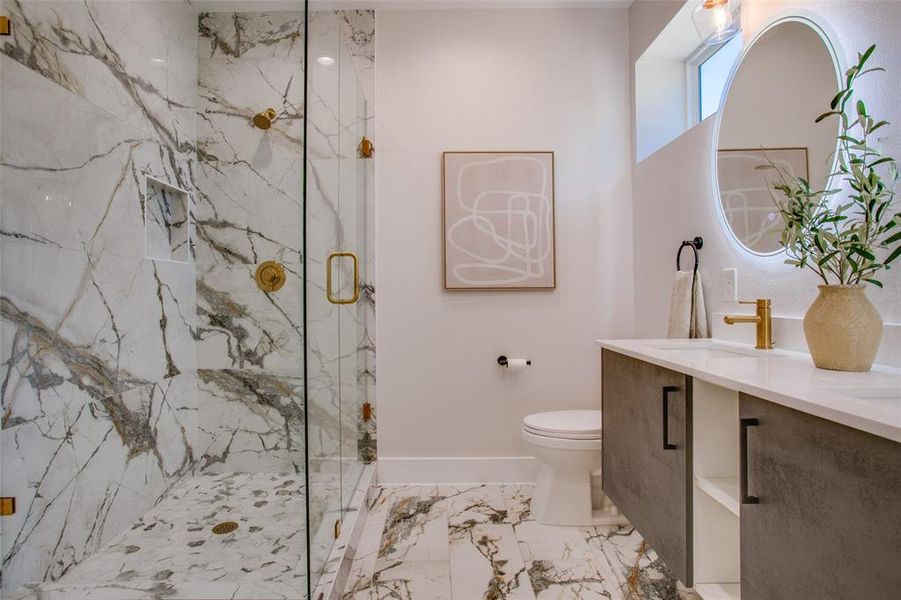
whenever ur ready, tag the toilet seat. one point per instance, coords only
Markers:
(565, 424)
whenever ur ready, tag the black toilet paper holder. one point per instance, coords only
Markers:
(502, 361)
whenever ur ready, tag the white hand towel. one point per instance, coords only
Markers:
(687, 313)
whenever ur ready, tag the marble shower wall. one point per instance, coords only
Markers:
(250, 344)
(105, 403)
(98, 365)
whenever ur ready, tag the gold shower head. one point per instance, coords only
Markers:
(264, 119)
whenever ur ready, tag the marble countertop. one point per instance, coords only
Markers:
(870, 401)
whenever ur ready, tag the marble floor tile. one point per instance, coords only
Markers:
(476, 504)
(407, 581)
(549, 542)
(567, 579)
(518, 501)
(485, 562)
(493, 549)
(613, 552)
(415, 530)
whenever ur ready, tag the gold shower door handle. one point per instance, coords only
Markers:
(328, 278)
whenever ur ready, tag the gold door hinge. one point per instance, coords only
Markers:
(337, 529)
(7, 506)
(367, 411)
(4, 25)
(365, 149)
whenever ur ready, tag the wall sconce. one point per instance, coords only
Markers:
(717, 20)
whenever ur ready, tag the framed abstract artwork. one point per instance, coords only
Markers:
(499, 230)
(745, 181)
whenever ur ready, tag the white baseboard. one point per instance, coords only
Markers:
(503, 469)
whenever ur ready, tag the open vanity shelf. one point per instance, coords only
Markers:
(715, 491)
(722, 489)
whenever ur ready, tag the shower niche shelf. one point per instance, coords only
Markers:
(167, 221)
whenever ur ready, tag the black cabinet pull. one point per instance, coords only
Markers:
(743, 456)
(667, 390)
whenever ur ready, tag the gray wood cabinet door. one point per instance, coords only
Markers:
(646, 413)
(827, 522)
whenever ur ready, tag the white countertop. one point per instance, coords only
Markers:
(870, 401)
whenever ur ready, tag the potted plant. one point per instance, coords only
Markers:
(846, 235)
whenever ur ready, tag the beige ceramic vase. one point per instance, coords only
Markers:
(843, 329)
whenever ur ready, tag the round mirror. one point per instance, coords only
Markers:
(785, 79)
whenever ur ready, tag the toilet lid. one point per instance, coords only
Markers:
(579, 424)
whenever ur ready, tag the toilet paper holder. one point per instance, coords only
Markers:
(502, 361)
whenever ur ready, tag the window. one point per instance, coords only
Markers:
(668, 81)
(709, 70)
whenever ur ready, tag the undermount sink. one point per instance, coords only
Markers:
(704, 349)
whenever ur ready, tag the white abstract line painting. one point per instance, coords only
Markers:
(499, 220)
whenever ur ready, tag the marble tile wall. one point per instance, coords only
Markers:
(99, 414)
(250, 209)
(250, 344)
(167, 222)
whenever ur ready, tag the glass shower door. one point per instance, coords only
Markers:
(353, 342)
(336, 267)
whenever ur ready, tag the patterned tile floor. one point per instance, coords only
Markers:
(171, 552)
(480, 542)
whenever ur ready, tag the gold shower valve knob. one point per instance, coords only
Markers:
(270, 276)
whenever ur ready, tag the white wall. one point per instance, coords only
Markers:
(673, 193)
(661, 104)
(521, 79)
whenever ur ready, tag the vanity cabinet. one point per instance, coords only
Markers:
(827, 519)
(750, 498)
(647, 453)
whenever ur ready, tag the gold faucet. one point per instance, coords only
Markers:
(763, 319)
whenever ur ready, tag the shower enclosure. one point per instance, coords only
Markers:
(186, 296)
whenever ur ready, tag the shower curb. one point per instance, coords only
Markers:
(334, 576)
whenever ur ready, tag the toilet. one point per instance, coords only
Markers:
(567, 446)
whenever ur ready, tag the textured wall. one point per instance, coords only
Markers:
(97, 383)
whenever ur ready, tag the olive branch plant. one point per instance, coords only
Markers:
(846, 241)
